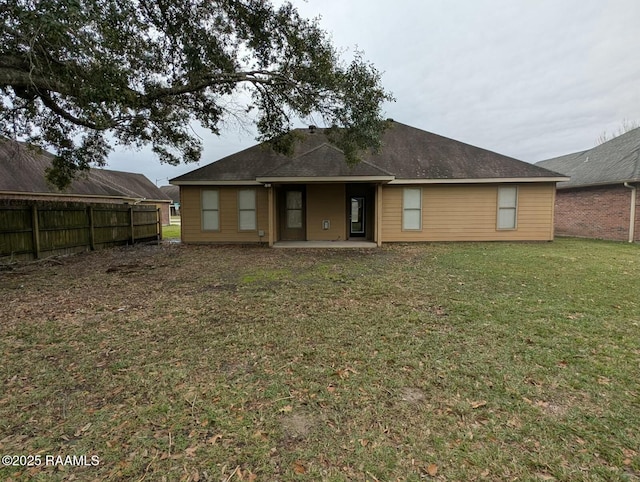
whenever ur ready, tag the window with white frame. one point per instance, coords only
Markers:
(210, 210)
(247, 210)
(412, 209)
(507, 207)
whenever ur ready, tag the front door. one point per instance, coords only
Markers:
(292, 215)
(357, 219)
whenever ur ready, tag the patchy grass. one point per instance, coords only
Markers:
(171, 232)
(478, 361)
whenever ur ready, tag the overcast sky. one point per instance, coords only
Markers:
(531, 79)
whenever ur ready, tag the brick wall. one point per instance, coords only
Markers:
(595, 212)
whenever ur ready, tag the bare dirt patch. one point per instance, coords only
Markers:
(298, 426)
(412, 396)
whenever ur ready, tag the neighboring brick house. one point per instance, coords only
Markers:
(601, 199)
(22, 176)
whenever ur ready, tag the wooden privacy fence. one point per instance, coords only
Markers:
(33, 229)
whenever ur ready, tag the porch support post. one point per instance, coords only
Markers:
(35, 230)
(378, 227)
(271, 215)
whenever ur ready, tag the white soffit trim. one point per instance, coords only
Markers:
(325, 179)
(496, 180)
(386, 179)
(216, 183)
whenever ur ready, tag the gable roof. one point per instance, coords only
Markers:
(325, 161)
(614, 161)
(407, 154)
(22, 170)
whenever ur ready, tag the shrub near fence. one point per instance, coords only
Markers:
(33, 229)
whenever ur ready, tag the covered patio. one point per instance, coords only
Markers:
(325, 212)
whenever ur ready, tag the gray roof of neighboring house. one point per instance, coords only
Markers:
(407, 153)
(22, 169)
(615, 161)
(171, 191)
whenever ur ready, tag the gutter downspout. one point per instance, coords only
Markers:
(632, 213)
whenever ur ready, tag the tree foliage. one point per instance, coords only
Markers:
(79, 75)
(625, 127)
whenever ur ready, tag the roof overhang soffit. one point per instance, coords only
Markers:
(334, 179)
(375, 179)
(215, 183)
(597, 184)
(497, 180)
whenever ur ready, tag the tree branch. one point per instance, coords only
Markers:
(24, 80)
(48, 101)
(253, 77)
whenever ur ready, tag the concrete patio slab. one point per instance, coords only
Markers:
(325, 244)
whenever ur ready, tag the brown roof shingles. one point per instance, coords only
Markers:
(324, 161)
(407, 153)
(22, 169)
(412, 153)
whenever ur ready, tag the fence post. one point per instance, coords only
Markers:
(159, 221)
(133, 234)
(92, 238)
(35, 230)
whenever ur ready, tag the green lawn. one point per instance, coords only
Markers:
(478, 361)
(171, 232)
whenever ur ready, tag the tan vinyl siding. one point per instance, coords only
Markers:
(229, 232)
(469, 213)
(326, 202)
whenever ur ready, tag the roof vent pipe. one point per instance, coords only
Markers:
(312, 129)
(632, 210)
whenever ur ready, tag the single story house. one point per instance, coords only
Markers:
(419, 187)
(600, 200)
(22, 176)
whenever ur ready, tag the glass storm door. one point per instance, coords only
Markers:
(292, 218)
(356, 217)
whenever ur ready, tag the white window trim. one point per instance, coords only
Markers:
(514, 208)
(405, 209)
(254, 210)
(203, 210)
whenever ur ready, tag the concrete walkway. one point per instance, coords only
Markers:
(325, 244)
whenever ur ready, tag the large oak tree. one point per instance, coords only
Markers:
(77, 75)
